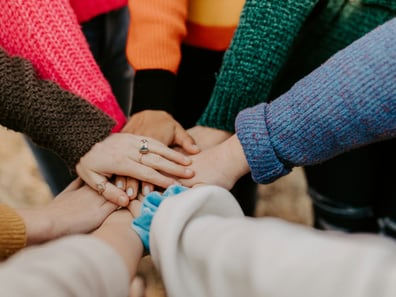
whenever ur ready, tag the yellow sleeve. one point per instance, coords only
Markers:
(12, 232)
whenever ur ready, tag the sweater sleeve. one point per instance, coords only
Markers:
(50, 116)
(257, 52)
(78, 265)
(348, 102)
(47, 34)
(204, 246)
(12, 232)
(156, 31)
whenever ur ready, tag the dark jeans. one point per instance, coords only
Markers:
(106, 35)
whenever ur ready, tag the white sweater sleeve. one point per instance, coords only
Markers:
(73, 266)
(203, 246)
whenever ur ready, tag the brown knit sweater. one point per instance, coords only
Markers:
(12, 232)
(50, 116)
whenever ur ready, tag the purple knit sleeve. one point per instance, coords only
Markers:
(348, 102)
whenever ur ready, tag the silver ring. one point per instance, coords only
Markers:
(143, 148)
(101, 187)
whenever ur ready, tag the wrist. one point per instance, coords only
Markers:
(39, 226)
(124, 240)
(239, 165)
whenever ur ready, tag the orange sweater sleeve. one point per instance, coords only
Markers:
(157, 28)
(12, 232)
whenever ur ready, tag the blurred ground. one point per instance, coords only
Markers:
(22, 185)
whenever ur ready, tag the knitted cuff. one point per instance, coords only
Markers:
(12, 232)
(150, 205)
(252, 132)
(154, 89)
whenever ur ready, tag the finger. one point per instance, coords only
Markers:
(160, 149)
(132, 186)
(159, 163)
(185, 140)
(147, 188)
(120, 182)
(109, 191)
(135, 207)
(137, 288)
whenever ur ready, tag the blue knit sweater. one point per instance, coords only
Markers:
(348, 102)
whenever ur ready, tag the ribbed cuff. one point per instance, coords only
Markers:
(12, 232)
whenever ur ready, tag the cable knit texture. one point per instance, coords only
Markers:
(12, 232)
(272, 33)
(348, 102)
(47, 33)
(51, 117)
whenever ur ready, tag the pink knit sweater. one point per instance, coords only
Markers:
(47, 33)
(87, 9)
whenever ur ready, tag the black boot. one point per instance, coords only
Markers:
(333, 215)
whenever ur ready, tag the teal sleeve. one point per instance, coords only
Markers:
(258, 50)
(150, 205)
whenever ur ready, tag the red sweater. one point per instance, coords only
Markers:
(87, 9)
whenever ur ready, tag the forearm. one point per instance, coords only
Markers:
(156, 31)
(51, 117)
(258, 50)
(155, 35)
(203, 245)
(77, 266)
(47, 34)
(126, 243)
(346, 103)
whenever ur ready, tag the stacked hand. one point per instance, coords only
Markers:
(137, 157)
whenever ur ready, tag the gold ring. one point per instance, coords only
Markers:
(101, 187)
(144, 147)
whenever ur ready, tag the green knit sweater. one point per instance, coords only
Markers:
(278, 42)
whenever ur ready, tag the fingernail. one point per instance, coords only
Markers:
(124, 200)
(146, 190)
(188, 171)
(120, 184)
(187, 159)
(129, 192)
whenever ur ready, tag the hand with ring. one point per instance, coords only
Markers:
(141, 158)
(161, 126)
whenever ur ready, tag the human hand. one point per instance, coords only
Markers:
(220, 165)
(119, 154)
(116, 231)
(161, 126)
(206, 137)
(78, 209)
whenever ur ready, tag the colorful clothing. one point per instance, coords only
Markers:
(50, 116)
(48, 34)
(203, 246)
(165, 34)
(278, 42)
(348, 102)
